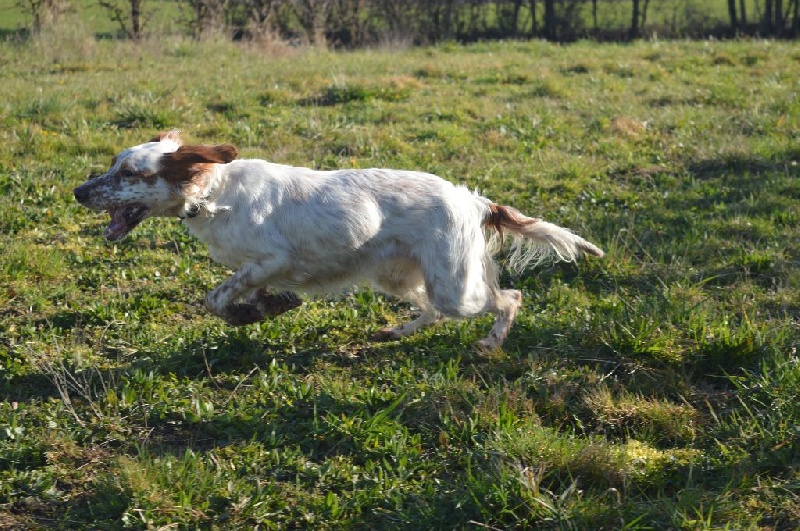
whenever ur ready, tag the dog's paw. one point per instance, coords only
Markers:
(386, 334)
(488, 344)
(241, 314)
(273, 304)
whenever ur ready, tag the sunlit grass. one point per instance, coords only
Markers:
(653, 388)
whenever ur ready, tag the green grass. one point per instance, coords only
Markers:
(655, 388)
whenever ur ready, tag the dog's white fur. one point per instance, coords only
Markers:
(411, 234)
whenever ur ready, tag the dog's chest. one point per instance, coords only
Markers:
(228, 243)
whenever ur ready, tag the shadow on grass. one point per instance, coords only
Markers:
(315, 423)
(302, 422)
(737, 165)
(19, 35)
(235, 351)
(738, 176)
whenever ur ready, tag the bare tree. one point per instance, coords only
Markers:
(207, 16)
(634, 31)
(440, 19)
(313, 15)
(355, 23)
(477, 16)
(43, 12)
(643, 22)
(350, 22)
(638, 18)
(773, 20)
(508, 17)
(265, 17)
(732, 15)
(766, 20)
(550, 23)
(534, 29)
(399, 20)
(743, 14)
(128, 14)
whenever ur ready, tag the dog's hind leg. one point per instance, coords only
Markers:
(428, 316)
(505, 307)
(480, 298)
(404, 280)
(466, 286)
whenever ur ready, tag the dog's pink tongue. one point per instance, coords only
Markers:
(118, 227)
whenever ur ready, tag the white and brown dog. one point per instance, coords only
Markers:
(286, 229)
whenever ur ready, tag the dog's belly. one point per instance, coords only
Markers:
(346, 270)
(317, 285)
(316, 280)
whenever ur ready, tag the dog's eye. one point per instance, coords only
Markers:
(126, 172)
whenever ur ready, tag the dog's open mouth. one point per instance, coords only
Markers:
(123, 220)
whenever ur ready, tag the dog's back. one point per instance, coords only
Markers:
(333, 227)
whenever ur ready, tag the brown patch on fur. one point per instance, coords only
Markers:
(190, 164)
(147, 177)
(221, 154)
(172, 134)
(508, 217)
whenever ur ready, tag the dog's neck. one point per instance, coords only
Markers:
(203, 202)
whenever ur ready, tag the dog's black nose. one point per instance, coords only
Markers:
(81, 194)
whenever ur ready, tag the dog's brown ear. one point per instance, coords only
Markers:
(191, 163)
(226, 152)
(172, 134)
(221, 154)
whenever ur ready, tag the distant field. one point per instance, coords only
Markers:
(161, 18)
(656, 388)
(167, 17)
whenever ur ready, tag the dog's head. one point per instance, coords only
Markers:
(157, 178)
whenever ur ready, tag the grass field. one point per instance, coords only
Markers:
(656, 388)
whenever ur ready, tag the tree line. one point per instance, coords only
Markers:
(357, 23)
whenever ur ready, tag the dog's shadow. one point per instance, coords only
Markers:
(252, 379)
(230, 363)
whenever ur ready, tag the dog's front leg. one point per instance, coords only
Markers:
(225, 300)
(272, 304)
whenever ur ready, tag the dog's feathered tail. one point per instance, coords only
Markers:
(536, 241)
